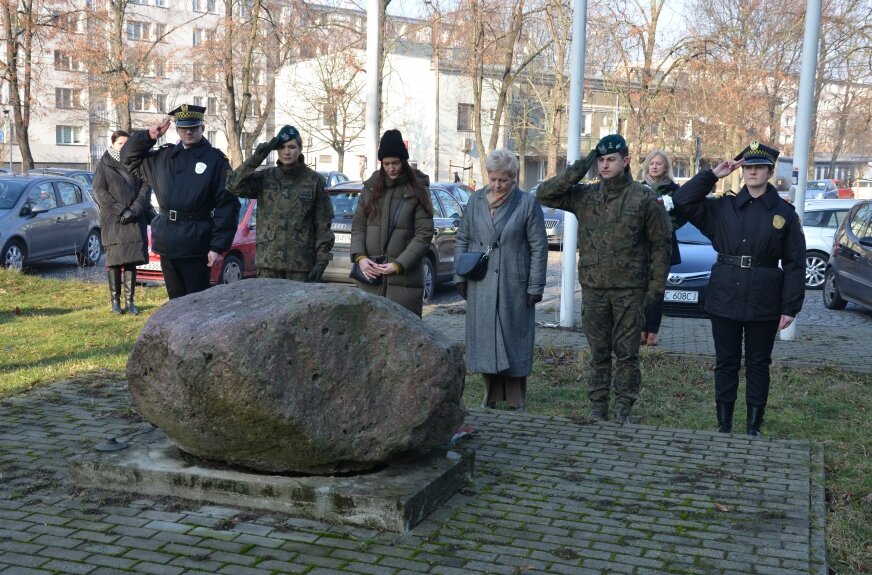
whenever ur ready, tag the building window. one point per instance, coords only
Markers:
(587, 128)
(160, 102)
(157, 69)
(197, 100)
(328, 115)
(254, 108)
(464, 117)
(137, 30)
(211, 135)
(212, 105)
(68, 134)
(195, 6)
(63, 61)
(160, 3)
(198, 36)
(159, 31)
(197, 71)
(210, 5)
(142, 102)
(67, 98)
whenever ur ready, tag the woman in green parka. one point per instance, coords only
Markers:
(396, 192)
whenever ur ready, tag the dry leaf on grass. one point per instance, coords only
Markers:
(721, 507)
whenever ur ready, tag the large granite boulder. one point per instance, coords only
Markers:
(285, 376)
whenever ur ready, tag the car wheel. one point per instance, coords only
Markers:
(231, 271)
(815, 266)
(429, 280)
(90, 255)
(12, 256)
(832, 297)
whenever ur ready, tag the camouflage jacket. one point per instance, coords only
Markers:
(624, 234)
(294, 213)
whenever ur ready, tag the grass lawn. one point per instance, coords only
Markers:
(53, 330)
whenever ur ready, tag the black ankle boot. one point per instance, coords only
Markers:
(115, 289)
(129, 289)
(725, 416)
(755, 419)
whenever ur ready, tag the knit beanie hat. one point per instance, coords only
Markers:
(392, 146)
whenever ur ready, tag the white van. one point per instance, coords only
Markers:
(863, 190)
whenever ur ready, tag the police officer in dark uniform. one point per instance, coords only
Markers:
(758, 282)
(198, 218)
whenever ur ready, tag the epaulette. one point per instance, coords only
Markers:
(223, 155)
(165, 146)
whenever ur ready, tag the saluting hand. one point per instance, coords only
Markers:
(158, 130)
(727, 167)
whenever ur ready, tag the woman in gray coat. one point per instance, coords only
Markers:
(500, 312)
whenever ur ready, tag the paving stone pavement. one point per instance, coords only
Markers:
(550, 495)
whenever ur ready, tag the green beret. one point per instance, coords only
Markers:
(611, 144)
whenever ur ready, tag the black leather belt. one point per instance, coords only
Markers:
(747, 261)
(175, 216)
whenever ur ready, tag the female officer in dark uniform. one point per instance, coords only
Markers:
(749, 294)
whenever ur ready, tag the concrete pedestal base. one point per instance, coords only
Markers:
(395, 498)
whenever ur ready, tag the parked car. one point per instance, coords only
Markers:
(849, 270)
(553, 222)
(820, 222)
(439, 262)
(863, 189)
(460, 192)
(333, 178)
(825, 190)
(45, 217)
(85, 177)
(238, 263)
(687, 282)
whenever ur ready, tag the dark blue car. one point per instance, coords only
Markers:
(687, 282)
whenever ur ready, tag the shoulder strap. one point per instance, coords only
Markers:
(393, 224)
(498, 230)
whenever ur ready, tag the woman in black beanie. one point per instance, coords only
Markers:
(393, 226)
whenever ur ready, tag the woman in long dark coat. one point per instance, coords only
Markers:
(124, 202)
(395, 185)
(500, 308)
(657, 174)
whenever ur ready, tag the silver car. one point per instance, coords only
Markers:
(44, 217)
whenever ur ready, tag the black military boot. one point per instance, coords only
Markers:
(129, 289)
(115, 289)
(599, 411)
(755, 420)
(725, 416)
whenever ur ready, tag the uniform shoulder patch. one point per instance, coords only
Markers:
(165, 146)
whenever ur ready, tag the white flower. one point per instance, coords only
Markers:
(667, 203)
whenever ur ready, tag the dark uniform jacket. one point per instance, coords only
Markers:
(294, 213)
(676, 220)
(188, 181)
(116, 190)
(739, 225)
(624, 234)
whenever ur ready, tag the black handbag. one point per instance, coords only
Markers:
(357, 273)
(473, 265)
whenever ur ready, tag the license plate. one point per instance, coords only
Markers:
(150, 266)
(342, 238)
(681, 296)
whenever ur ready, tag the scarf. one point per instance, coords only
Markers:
(494, 201)
(114, 154)
(654, 184)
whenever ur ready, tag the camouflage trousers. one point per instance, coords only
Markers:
(272, 273)
(612, 320)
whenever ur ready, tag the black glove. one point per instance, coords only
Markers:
(461, 289)
(533, 299)
(265, 148)
(128, 216)
(316, 272)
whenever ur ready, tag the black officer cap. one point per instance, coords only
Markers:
(188, 115)
(757, 154)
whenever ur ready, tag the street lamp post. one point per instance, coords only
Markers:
(435, 32)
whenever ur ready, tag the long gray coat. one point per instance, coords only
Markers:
(500, 327)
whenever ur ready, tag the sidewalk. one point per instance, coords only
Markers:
(549, 496)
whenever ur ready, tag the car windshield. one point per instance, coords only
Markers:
(344, 202)
(9, 194)
(817, 186)
(690, 234)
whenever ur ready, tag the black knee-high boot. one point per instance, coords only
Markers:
(725, 416)
(129, 289)
(114, 274)
(755, 419)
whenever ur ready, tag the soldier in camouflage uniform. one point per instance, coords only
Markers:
(624, 239)
(294, 239)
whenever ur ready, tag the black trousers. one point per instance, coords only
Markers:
(185, 275)
(653, 317)
(759, 339)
